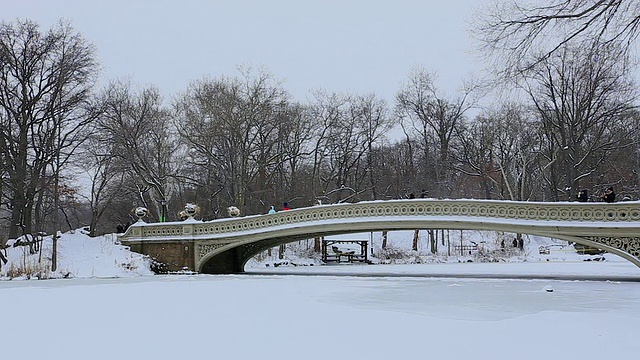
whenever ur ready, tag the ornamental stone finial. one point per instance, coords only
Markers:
(141, 212)
(233, 211)
(191, 210)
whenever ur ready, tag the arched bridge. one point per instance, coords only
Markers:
(225, 245)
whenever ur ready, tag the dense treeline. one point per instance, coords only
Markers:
(77, 154)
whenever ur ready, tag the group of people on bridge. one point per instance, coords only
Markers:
(272, 209)
(608, 196)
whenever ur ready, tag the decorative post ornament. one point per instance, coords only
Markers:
(141, 212)
(191, 210)
(233, 211)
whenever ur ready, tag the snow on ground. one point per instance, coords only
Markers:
(78, 256)
(107, 310)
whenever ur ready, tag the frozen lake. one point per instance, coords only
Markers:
(333, 315)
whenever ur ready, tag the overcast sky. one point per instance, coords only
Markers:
(344, 46)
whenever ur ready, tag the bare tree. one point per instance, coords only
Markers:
(475, 158)
(107, 176)
(231, 126)
(580, 95)
(433, 118)
(45, 79)
(374, 122)
(139, 132)
(349, 128)
(521, 34)
(499, 149)
(295, 133)
(516, 151)
(327, 110)
(395, 164)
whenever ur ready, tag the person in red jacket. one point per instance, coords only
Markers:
(285, 206)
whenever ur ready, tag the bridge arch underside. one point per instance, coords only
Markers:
(231, 253)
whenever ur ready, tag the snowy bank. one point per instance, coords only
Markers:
(78, 255)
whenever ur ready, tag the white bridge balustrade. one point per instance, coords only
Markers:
(224, 245)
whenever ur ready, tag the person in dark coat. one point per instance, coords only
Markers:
(285, 206)
(608, 195)
(583, 196)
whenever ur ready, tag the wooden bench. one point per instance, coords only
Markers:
(463, 248)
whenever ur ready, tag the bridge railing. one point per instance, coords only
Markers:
(624, 212)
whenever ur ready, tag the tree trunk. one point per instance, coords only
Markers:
(433, 238)
(18, 205)
(56, 209)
